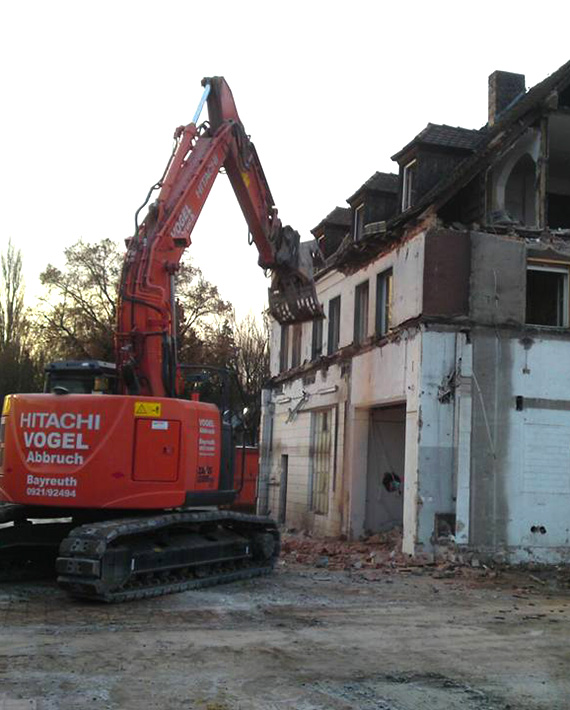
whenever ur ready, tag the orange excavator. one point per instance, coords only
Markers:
(111, 472)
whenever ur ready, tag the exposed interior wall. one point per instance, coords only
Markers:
(513, 182)
(447, 264)
(520, 191)
(498, 279)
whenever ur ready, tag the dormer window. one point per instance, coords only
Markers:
(408, 185)
(358, 223)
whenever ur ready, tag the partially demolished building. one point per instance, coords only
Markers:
(436, 393)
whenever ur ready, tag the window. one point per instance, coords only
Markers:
(317, 340)
(296, 345)
(384, 293)
(334, 325)
(358, 225)
(361, 312)
(284, 350)
(408, 186)
(321, 461)
(547, 295)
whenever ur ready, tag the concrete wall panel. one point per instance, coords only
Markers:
(498, 279)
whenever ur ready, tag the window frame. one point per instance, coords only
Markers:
(321, 461)
(317, 339)
(361, 310)
(554, 267)
(358, 222)
(408, 179)
(333, 335)
(384, 301)
(296, 345)
(284, 349)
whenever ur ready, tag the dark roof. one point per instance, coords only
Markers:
(444, 137)
(379, 182)
(512, 123)
(339, 216)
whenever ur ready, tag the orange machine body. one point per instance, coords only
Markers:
(245, 477)
(108, 451)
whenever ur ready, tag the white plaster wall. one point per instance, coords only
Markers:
(407, 263)
(537, 478)
(381, 377)
(274, 347)
(292, 436)
(292, 439)
(435, 491)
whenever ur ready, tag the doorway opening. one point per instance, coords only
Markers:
(385, 474)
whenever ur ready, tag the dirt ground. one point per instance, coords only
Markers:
(336, 627)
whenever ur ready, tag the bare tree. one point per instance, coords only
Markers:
(12, 300)
(250, 363)
(19, 368)
(79, 310)
(79, 314)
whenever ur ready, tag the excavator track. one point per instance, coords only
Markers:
(136, 558)
(28, 550)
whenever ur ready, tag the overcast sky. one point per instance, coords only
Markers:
(328, 91)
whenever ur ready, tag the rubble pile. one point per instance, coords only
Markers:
(373, 557)
(374, 552)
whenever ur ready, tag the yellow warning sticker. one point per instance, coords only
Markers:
(246, 179)
(148, 409)
(7, 405)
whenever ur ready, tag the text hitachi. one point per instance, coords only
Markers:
(68, 420)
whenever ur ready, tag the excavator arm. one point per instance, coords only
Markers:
(146, 333)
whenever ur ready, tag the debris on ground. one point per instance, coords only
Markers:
(380, 554)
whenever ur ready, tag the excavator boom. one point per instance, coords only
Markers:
(146, 329)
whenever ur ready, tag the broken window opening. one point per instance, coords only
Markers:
(284, 349)
(334, 325)
(317, 339)
(547, 296)
(564, 98)
(408, 185)
(520, 191)
(296, 345)
(558, 173)
(360, 312)
(384, 297)
(321, 461)
(358, 222)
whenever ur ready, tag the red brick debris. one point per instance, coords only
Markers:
(381, 554)
(375, 552)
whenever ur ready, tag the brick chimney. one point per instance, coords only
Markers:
(504, 87)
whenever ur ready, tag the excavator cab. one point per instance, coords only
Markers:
(80, 377)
